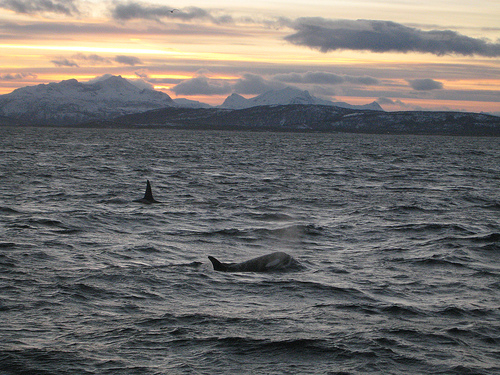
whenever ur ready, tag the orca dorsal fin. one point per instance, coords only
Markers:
(218, 266)
(148, 195)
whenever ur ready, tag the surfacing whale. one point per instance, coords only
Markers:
(278, 261)
(148, 196)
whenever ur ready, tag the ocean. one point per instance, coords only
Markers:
(398, 238)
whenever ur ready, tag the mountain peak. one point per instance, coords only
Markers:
(286, 96)
(71, 102)
(117, 83)
(235, 101)
(69, 82)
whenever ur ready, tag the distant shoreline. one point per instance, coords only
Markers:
(298, 118)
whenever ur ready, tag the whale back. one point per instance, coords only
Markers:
(271, 262)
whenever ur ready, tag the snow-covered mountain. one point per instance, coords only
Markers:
(287, 96)
(71, 102)
(236, 101)
(186, 103)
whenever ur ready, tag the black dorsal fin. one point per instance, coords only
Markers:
(218, 266)
(149, 193)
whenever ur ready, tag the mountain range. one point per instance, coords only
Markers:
(71, 102)
(288, 96)
(114, 101)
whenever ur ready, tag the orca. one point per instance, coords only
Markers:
(148, 196)
(278, 261)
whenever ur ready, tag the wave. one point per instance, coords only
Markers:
(430, 227)
(321, 290)
(492, 206)
(410, 208)
(460, 312)
(483, 201)
(437, 260)
(145, 249)
(8, 245)
(270, 216)
(493, 247)
(43, 362)
(491, 237)
(119, 201)
(423, 336)
(47, 222)
(8, 210)
(488, 338)
(7, 262)
(84, 292)
(289, 347)
(287, 231)
(398, 310)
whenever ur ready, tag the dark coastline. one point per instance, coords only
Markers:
(294, 118)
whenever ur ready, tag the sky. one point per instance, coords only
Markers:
(404, 54)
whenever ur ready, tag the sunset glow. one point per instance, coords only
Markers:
(405, 55)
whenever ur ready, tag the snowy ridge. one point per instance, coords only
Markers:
(288, 96)
(70, 101)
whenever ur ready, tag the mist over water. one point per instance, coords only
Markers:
(398, 238)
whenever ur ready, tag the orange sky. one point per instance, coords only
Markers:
(435, 55)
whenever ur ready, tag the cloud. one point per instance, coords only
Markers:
(255, 84)
(202, 85)
(384, 36)
(141, 84)
(389, 101)
(66, 7)
(398, 104)
(324, 78)
(128, 60)
(65, 62)
(16, 76)
(310, 77)
(135, 10)
(92, 59)
(99, 78)
(425, 84)
(125, 12)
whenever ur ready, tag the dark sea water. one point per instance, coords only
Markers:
(398, 238)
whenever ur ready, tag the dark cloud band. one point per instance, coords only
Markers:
(324, 78)
(66, 7)
(16, 76)
(133, 10)
(385, 36)
(128, 60)
(425, 84)
(201, 85)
